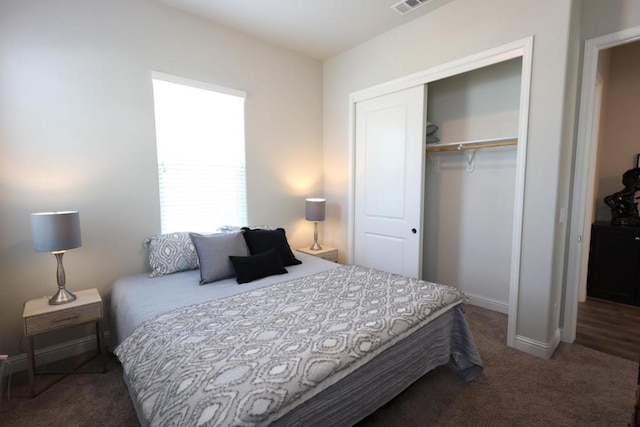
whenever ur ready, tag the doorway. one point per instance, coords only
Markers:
(605, 150)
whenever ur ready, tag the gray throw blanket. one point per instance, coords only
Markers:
(251, 358)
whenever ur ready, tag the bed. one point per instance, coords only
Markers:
(322, 345)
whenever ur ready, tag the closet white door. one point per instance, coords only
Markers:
(389, 159)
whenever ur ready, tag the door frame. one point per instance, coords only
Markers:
(584, 173)
(521, 48)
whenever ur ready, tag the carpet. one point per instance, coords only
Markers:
(578, 386)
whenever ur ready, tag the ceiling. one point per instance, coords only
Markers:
(317, 28)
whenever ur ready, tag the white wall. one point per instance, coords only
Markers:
(469, 215)
(479, 104)
(77, 132)
(469, 224)
(456, 30)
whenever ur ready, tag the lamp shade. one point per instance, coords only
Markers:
(314, 209)
(55, 231)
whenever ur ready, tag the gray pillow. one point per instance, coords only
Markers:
(214, 252)
(171, 253)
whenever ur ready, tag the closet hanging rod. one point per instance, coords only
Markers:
(470, 145)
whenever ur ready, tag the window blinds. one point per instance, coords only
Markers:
(201, 164)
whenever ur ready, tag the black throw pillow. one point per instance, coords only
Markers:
(260, 241)
(254, 267)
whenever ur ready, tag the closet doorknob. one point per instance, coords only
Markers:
(414, 231)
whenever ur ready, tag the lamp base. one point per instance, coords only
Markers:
(315, 246)
(63, 296)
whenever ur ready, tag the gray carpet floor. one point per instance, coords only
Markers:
(577, 387)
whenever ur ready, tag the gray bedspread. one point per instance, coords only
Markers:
(252, 358)
(138, 298)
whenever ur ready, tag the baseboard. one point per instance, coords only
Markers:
(488, 303)
(54, 353)
(538, 348)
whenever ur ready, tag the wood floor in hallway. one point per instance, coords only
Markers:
(609, 327)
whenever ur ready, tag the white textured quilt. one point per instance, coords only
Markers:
(251, 358)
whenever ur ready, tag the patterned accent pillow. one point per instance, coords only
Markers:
(228, 229)
(235, 228)
(171, 253)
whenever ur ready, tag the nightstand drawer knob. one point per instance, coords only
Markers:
(414, 231)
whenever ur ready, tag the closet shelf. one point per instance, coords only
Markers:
(470, 145)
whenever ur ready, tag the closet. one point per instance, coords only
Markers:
(441, 211)
(470, 189)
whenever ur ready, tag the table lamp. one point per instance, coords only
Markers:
(57, 232)
(314, 211)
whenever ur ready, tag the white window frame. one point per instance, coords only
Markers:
(165, 227)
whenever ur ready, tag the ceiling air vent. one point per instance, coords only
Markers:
(406, 6)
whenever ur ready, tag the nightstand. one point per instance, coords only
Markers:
(330, 254)
(39, 317)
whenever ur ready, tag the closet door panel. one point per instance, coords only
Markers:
(384, 252)
(389, 171)
(385, 163)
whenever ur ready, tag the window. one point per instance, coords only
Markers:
(201, 155)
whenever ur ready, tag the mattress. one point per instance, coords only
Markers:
(137, 298)
(187, 364)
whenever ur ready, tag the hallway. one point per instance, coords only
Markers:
(609, 327)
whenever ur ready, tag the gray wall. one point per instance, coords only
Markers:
(605, 17)
(77, 132)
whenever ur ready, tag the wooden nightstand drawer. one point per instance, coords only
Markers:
(330, 254)
(41, 317)
(59, 319)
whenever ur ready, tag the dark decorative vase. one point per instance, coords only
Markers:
(624, 208)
